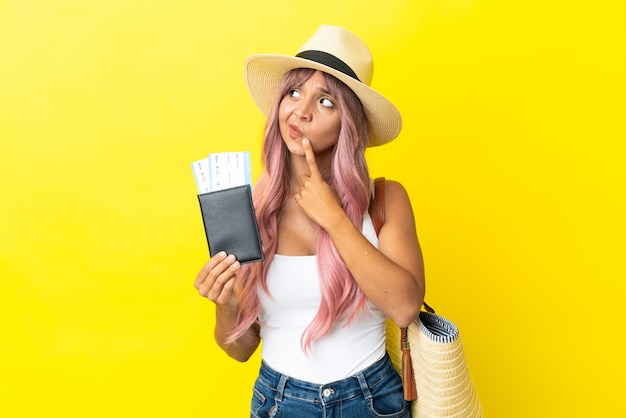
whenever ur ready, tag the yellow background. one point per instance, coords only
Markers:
(512, 150)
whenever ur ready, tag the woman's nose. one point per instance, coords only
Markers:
(302, 111)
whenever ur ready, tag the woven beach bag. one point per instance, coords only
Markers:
(443, 382)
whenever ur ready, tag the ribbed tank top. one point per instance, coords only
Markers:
(295, 297)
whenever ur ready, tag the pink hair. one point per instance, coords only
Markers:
(341, 297)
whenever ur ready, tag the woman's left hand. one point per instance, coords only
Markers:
(318, 200)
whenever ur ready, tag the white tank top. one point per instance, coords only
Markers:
(295, 297)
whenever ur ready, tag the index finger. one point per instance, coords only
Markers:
(310, 158)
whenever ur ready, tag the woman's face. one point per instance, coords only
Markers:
(309, 111)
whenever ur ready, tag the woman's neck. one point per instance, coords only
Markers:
(299, 166)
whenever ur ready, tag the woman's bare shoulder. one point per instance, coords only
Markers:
(397, 203)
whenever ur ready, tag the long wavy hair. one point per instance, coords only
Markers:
(340, 296)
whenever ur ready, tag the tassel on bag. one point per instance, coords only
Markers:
(408, 377)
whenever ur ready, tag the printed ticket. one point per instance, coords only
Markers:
(222, 170)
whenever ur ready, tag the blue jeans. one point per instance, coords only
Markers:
(373, 392)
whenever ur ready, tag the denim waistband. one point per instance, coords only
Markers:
(359, 383)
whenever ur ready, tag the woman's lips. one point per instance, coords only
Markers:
(294, 131)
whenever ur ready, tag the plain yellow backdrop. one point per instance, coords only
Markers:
(512, 152)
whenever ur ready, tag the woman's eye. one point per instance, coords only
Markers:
(327, 102)
(293, 93)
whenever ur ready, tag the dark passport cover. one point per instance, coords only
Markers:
(230, 224)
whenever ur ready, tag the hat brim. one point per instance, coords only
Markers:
(263, 74)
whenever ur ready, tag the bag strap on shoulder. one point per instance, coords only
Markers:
(377, 204)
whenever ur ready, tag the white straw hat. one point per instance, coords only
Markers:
(338, 52)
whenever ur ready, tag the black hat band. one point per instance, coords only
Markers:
(329, 60)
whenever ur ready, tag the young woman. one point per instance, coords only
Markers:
(320, 298)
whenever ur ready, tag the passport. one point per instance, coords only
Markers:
(225, 195)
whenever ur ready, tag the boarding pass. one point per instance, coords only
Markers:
(222, 170)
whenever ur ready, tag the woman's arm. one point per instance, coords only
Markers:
(215, 281)
(391, 277)
(242, 348)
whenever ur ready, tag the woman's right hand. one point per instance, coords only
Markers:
(217, 278)
(216, 282)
